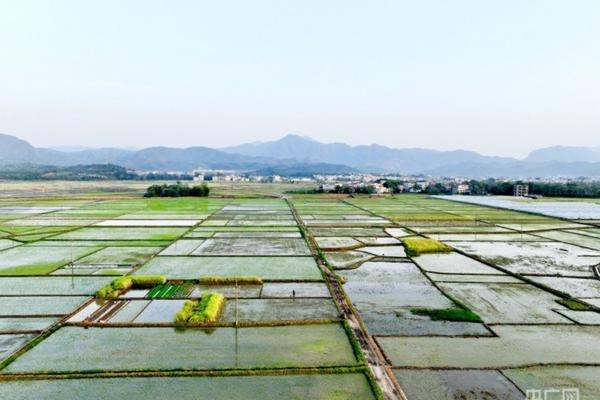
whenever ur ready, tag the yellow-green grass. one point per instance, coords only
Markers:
(231, 280)
(124, 283)
(206, 311)
(417, 246)
(457, 314)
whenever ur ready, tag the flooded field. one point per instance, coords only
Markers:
(92, 293)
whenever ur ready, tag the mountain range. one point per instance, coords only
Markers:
(298, 155)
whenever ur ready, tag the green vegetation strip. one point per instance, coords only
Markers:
(417, 246)
(229, 280)
(124, 283)
(188, 372)
(576, 305)
(459, 314)
(206, 311)
(163, 291)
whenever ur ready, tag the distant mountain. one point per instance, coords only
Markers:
(518, 169)
(565, 154)
(14, 151)
(166, 158)
(69, 149)
(304, 169)
(295, 155)
(373, 158)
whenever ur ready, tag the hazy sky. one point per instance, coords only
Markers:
(500, 77)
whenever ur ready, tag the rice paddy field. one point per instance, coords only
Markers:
(325, 297)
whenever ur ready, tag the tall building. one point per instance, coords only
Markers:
(520, 190)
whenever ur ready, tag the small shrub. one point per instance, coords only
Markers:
(417, 246)
(105, 292)
(230, 280)
(206, 311)
(211, 307)
(458, 314)
(124, 283)
(148, 280)
(183, 315)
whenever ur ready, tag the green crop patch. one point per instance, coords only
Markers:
(169, 291)
(457, 314)
(197, 313)
(417, 246)
(576, 305)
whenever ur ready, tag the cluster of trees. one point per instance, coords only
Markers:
(437, 188)
(165, 176)
(505, 188)
(86, 172)
(177, 190)
(89, 172)
(569, 189)
(394, 186)
(399, 186)
(349, 189)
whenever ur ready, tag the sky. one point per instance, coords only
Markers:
(501, 77)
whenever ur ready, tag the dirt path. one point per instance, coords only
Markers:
(375, 359)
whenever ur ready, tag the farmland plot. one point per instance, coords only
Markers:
(39, 305)
(467, 322)
(51, 285)
(120, 255)
(258, 246)
(25, 324)
(546, 258)
(456, 384)
(269, 268)
(374, 289)
(273, 310)
(145, 349)
(507, 303)
(317, 387)
(26, 260)
(516, 345)
(125, 233)
(11, 342)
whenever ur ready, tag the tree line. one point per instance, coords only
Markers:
(87, 172)
(505, 188)
(177, 190)
(548, 189)
(350, 189)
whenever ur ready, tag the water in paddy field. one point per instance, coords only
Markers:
(570, 209)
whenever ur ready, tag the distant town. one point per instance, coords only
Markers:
(383, 184)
